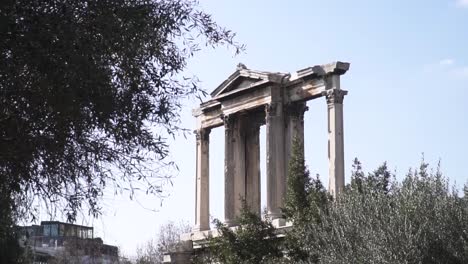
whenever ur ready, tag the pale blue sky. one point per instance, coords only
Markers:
(408, 86)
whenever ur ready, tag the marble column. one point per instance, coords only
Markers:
(275, 158)
(252, 164)
(202, 191)
(234, 170)
(335, 98)
(294, 128)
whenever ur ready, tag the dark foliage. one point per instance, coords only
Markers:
(306, 199)
(88, 89)
(10, 251)
(379, 220)
(253, 241)
(303, 192)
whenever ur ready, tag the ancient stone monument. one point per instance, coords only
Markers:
(245, 101)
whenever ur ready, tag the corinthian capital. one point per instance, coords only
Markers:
(202, 134)
(335, 96)
(228, 121)
(271, 109)
(296, 109)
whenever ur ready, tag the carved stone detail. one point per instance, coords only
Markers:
(228, 121)
(335, 96)
(202, 134)
(296, 109)
(271, 109)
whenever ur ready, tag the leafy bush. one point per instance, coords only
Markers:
(254, 241)
(379, 220)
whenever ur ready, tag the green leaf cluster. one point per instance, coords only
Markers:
(253, 241)
(377, 219)
(89, 92)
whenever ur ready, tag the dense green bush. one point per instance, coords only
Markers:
(380, 220)
(254, 241)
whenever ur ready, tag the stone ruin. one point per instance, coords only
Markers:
(245, 101)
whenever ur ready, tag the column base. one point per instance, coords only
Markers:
(231, 223)
(199, 228)
(275, 215)
(278, 222)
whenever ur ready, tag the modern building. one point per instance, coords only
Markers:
(58, 240)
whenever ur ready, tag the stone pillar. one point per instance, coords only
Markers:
(294, 128)
(252, 164)
(334, 98)
(234, 168)
(202, 191)
(275, 158)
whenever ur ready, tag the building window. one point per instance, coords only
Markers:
(62, 230)
(54, 230)
(46, 230)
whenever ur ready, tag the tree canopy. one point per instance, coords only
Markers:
(88, 91)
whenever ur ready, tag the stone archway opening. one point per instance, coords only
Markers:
(316, 140)
(243, 103)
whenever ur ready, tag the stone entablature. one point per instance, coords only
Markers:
(247, 100)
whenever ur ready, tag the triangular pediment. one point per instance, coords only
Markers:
(243, 78)
(239, 82)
